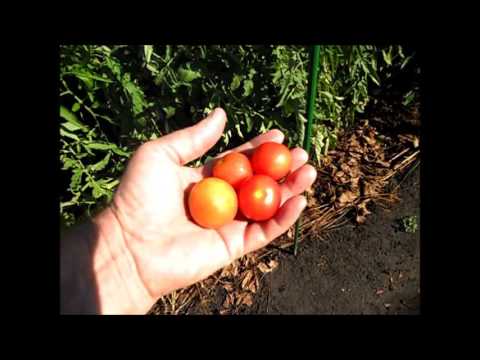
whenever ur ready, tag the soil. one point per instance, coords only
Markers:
(373, 268)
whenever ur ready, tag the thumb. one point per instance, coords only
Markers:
(190, 143)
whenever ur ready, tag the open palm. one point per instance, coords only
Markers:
(169, 250)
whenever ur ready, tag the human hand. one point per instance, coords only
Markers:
(156, 243)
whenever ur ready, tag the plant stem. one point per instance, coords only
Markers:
(311, 101)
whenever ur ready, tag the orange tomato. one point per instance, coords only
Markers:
(272, 159)
(233, 168)
(212, 203)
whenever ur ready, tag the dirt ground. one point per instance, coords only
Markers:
(372, 268)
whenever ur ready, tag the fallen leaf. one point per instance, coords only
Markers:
(416, 142)
(228, 287)
(248, 300)
(345, 168)
(311, 201)
(368, 189)
(352, 162)
(379, 292)
(240, 298)
(252, 286)
(383, 163)
(231, 297)
(290, 233)
(347, 197)
(235, 268)
(224, 311)
(273, 264)
(339, 174)
(228, 301)
(263, 268)
(354, 182)
(246, 279)
(362, 207)
(226, 271)
(360, 219)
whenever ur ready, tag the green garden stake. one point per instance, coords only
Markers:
(311, 98)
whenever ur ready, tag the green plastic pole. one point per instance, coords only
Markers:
(311, 100)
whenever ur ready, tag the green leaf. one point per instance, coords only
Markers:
(239, 131)
(136, 95)
(387, 57)
(112, 184)
(169, 111)
(105, 147)
(247, 87)
(76, 180)
(97, 191)
(71, 127)
(405, 62)
(249, 122)
(68, 134)
(237, 80)
(327, 94)
(208, 158)
(121, 152)
(374, 79)
(153, 70)
(75, 107)
(70, 117)
(148, 51)
(188, 75)
(86, 76)
(68, 163)
(101, 164)
(100, 146)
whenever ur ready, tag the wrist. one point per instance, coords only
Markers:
(98, 272)
(119, 287)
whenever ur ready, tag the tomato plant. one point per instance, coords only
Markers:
(259, 197)
(212, 203)
(233, 168)
(272, 159)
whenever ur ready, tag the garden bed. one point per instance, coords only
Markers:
(354, 257)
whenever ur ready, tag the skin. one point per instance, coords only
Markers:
(144, 245)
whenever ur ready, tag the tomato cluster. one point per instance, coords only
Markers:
(241, 183)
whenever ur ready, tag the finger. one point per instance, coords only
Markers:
(299, 158)
(258, 235)
(274, 135)
(190, 143)
(297, 182)
(246, 148)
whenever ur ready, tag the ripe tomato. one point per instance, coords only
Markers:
(233, 168)
(259, 197)
(212, 203)
(272, 159)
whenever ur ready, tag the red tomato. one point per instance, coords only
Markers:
(212, 203)
(233, 168)
(259, 197)
(272, 159)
